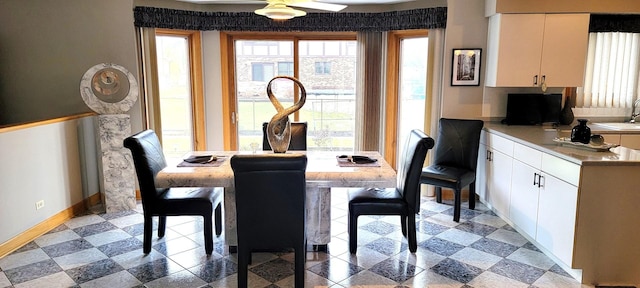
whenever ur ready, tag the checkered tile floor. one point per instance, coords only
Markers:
(105, 250)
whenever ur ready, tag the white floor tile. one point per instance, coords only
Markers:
(120, 279)
(476, 258)
(79, 258)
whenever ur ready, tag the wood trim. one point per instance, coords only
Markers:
(391, 104)
(45, 122)
(48, 225)
(393, 85)
(197, 91)
(227, 76)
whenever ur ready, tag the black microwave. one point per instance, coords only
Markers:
(533, 109)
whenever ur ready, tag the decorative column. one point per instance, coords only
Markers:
(110, 90)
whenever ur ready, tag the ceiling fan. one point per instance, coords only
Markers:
(280, 10)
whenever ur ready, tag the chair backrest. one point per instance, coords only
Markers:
(270, 197)
(410, 168)
(148, 159)
(298, 137)
(457, 143)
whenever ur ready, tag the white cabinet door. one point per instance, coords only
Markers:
(564, 49)
(514, 48)
(524, 197)
(557, 217)
(481, 173)
(525, 50)
(499, 177)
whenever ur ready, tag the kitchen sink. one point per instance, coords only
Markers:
(619, 125)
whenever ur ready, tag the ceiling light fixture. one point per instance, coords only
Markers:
(279, 11)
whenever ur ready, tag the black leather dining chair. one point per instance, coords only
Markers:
(270, 197)
(298, 137)
(454, 161)
(148, 160)
(403, 200)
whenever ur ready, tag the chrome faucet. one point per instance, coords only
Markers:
(634, 115)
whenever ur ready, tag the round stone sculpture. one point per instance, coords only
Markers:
(279, 128)
(109, 89)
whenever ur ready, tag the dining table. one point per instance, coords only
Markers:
(325, 170)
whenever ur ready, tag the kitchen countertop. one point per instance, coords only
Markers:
(541, 138)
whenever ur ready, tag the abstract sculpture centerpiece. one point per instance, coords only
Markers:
(279, 128)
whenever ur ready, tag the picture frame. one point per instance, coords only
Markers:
(465, 67)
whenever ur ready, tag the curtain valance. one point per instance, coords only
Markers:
(614, 23)
(425, 18)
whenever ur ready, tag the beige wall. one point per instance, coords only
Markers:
(50, 44)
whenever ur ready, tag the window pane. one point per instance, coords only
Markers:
(253, 72)
(330, 82)
(413, 78)
(175, 95)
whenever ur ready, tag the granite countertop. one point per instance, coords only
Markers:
(541, 138)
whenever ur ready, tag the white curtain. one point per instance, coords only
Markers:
(612, 72)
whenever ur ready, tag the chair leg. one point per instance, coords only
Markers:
(300, 256)
(411, 238)
(243, 267)
(353, 232)
(148, 234)
(438, 191)
(162, 225)
(456, 205)
(208, 234)
(403, 224)
(472, 195)
(218, 219)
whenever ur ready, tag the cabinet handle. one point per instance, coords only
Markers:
(535, 176)
(489, 155)
(535, 80)
(540, 179)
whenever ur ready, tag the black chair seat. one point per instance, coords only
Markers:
(173, 199)
(445, 176)
(403, 200)
(373, 201)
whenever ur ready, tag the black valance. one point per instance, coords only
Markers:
(425, 18)
(614, 23)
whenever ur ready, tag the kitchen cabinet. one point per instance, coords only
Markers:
(497, 172)
(532, 50)
(525, 188)
(627, 140)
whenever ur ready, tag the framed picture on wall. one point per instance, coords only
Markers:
(465, 69)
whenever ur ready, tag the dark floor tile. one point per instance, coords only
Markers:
(386, 246)
(274, 270)
(94, 270)
(431, 228)
(111, 216)
(424, 213)
(455, 270)
(32, 271)
(494, 247)
(335, 269)
(29, 246)
(58, 229)
(530, 246)
(476, 228)
(440, 246)
(396, 270)
(465, 214)
(381, 227)
(135, 230)
(96, 228)
(67, 247)
(120, 247)
(516, 270)
(558, 270)
(153, 270)
(215, 269)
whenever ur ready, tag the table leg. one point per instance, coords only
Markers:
(318, 217)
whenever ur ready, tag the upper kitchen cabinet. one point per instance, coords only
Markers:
(536, 50)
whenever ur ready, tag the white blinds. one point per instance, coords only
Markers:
(612, 73)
